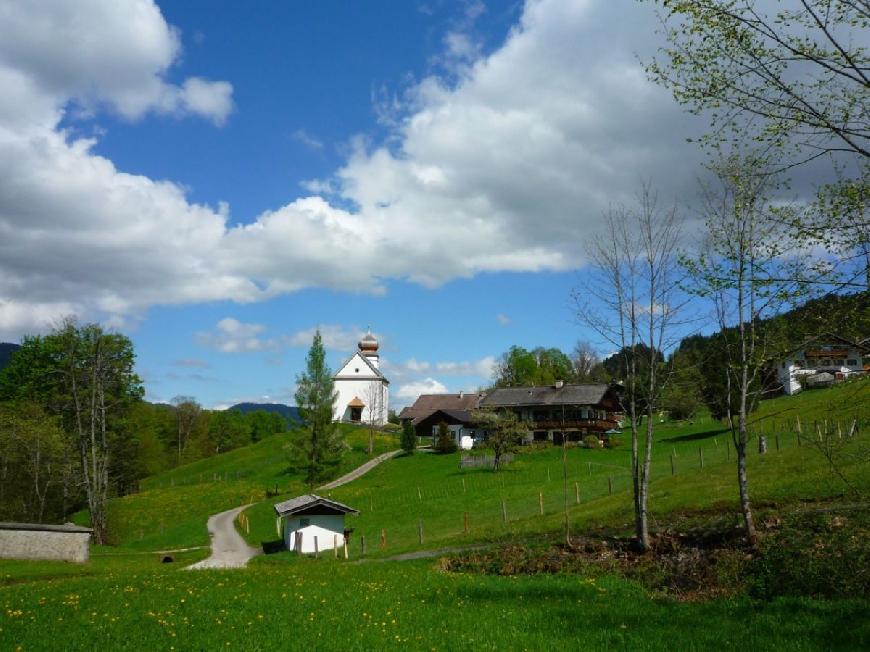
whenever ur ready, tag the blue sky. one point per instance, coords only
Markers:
(216, 180)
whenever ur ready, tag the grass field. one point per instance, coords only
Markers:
(314, 604)
(126, 599)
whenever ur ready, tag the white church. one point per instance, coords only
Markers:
(363, 391)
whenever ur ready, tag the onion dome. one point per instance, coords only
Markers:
(368, 343)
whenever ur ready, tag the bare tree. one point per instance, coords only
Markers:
(374, 399)
(749, 270)
(187, 413)
(586, 362)
(632, 301)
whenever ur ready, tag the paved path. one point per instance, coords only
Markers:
(228, 548)
(360, 470)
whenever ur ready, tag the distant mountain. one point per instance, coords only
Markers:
(291, 413)
(6, 351)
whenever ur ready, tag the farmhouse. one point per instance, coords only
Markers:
(551, 412)
(456, 412)
(827, 353)
(310, 523)
(558, 411)
(363, 391)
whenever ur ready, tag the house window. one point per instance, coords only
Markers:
(851, 363)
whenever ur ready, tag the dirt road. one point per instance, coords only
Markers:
(228, 548)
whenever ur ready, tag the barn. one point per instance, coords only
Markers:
(311, 523)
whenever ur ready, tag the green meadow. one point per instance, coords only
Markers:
(125, 598)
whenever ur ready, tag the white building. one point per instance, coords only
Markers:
(363, 391)
(310, 523)
(827, 353)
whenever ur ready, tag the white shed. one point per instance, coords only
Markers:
(306, 518)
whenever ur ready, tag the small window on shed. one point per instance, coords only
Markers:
(356, 370)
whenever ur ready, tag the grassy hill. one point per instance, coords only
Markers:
(172, 508)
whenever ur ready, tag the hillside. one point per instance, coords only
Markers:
(6, 351)
(290, 413)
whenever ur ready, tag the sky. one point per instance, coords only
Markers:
(217, 180)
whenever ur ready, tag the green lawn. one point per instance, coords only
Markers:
(319, 604)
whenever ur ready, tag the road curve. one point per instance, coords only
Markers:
(362, 469)
(228, 548)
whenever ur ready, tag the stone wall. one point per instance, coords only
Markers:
(36, 541)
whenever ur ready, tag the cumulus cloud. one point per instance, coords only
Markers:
(233, 336)
(506, 167)
(411, 391)
(334, 336)
(502, 319)
(482, 368)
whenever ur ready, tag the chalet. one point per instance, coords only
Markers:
(555, 412)
(310, 523)
(827, 353)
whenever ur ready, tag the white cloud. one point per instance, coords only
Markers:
(502, 319)
(193, 363)
(482, 368)
(335, 337)
(411, 391)
(233, 336)
(505, 169)
(302, 136)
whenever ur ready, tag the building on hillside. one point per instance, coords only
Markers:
(825, 353)
(363, 391)
(310, 523)
(560, 411)
(550, 412)
(456, 409)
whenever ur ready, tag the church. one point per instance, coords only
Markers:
(363, 391)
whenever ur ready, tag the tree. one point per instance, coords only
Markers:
(746, 270)
(791, 77)
(374, 398)
(319, 446)
(519, 367)
(187, 414)
(444, 440)
(797, 73)
(504, 432)
(228, 429)
(634, 288)
(409, 438)
(587, 364)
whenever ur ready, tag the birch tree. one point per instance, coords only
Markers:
(632, 301)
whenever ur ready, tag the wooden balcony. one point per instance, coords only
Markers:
(598, 425)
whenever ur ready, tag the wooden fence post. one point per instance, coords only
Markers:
(673, 468)
(503, 512)
(383, 539)
(420, 531)
(610, 484)
(541, 502)
(577, 492)
(345, 548)
(465, 522)
(777, 442)
(362, 543)
(316, 548)
(463, 485)
(335, 545)
(701, 456)
(548, 474)
(419, 494)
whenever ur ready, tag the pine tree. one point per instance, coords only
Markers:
(319, 447)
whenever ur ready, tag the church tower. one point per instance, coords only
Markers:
(363, 391)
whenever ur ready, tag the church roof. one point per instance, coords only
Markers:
(369, 364)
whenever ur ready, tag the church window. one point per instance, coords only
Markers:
(356, 370)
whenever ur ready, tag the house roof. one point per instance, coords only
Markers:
(310, 503)
(462, 416)
(42, 527)
(426, 404)
(548, 395)
(368, 362)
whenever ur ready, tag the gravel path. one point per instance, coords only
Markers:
(228, 548)
(360, 470)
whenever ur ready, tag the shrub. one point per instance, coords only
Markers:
(444, 441)
(409, 438)
(591, 441)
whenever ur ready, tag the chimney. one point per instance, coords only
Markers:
(559, 384)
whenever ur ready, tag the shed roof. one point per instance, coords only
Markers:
(44, 527)
(531, 396)
(426, 404)
(356, 402)
(310, 503)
